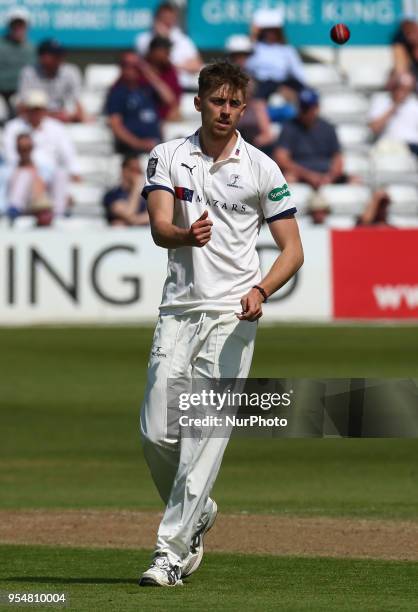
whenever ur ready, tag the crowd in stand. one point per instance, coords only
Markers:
(43, 94)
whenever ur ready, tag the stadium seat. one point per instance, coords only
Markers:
(345, 106)
(322, 76)
(99, 77)
(95, 170)
(357, 163)
(345, 199)
(366, 67)
(179, 129)
(404, 199)
(92, 102)
(301, 195)
(393, 167)
(353, 136)
(90, 138)
(87, 199)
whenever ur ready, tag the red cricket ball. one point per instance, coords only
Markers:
(340, 33)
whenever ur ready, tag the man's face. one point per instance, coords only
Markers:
(131, 171)
(50, 62)
(129, 67)
(160, 56)
(24, 146)
(221, 111)
(168, 18)
(18, 30)
(308, 114)
(35, 116)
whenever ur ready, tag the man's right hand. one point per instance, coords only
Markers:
(200, 231)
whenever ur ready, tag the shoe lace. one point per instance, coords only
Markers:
(162, 562)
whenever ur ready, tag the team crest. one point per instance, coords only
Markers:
(152, 167)
(235, 181)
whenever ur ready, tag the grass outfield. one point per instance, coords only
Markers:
(69, 407)
(69, 414)
(104, 580)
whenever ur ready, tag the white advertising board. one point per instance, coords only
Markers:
(116, 276)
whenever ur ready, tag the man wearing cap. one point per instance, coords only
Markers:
(275, 65)
(53, 150)
(308, 150)
(15, 52)
(59, 80)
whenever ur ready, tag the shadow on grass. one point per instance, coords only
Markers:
(56, 580)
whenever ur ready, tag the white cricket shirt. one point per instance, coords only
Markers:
(238, 193)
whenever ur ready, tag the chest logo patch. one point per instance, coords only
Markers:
(234, 181)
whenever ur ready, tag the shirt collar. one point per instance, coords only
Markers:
(236, 152)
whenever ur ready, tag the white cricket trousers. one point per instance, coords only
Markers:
(184, 469)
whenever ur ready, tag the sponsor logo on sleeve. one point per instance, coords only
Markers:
(152, 167)
(279, 193)
(184, 194)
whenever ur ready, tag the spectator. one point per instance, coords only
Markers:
(239, 48)
(132, 106)
(124, 204)
(184, 54)
(308, 150)
(27, 190)
(53, 151)
(15, 53)
(59, 80)
(158, 57)
(393, 115)
(376, 211)
(255, 125)
(405, 46)
(275, 65)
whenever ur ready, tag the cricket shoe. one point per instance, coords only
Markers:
(161, 573)
(194, 558)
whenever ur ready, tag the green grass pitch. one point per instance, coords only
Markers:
(69, 407)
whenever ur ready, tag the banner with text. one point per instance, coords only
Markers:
(375, 273)
(87, 23)
(117, 276)
(308, 22)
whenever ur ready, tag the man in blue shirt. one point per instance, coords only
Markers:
(308, 150)
(131, 106)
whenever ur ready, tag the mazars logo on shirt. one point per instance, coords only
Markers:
(279, 193)
(184, 194)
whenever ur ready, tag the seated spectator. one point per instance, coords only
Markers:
(53, 151)
(275, 65)
(60, 81)
(318, 209)
(184, 54)
(15, 53)
(255, 125)
(27, 190)
(308, 150)
(124, 204)
(405, 46)
(239, 48)
(132, 106)
(158, 57)
(393, 115)
(376, 211)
